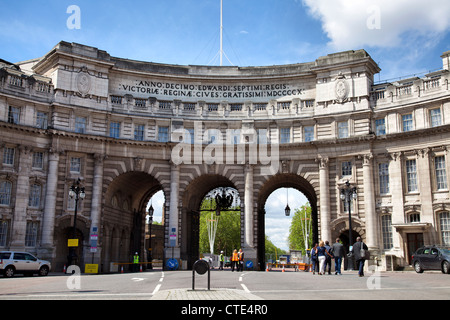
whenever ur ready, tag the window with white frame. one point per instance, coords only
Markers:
(139, 132)
(80, 125)
(343, 129)
(444, 219)
(441, 173)
(407, 122)
(189, 135)
(308, 133)
(31, 234)
(114, 130)
(263, 136)
(414, 217)
(386, 230)
(3, 233)
(346, 168)
(411, 175)
(8, 156)
(13, 115)
(435, 117)
(34, 199)
(75, 165)
(42, 120)
(380, 127)
(285, 135)
(38, 160)
(5, 192)
(383, 174)
(163, 134)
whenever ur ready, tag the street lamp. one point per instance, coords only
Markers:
(347, 194)
(150, 222)
(287, 210)
(78, 193)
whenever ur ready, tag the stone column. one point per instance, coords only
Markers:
(48, 223)
(397, 193)
(21, 203)
(97, 186)
(173, 211)
(369, 203)
(325, 215)
(249, 247)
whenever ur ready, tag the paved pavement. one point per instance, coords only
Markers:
(203, 294)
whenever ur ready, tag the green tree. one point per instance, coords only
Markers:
(300, 232)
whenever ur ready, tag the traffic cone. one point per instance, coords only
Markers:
(283, 269)
(267, 267)
(64, 269)
(140, 268)
(121, 269)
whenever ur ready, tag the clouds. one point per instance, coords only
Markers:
(351, 24)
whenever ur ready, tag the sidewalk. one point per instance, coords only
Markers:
(203, 294)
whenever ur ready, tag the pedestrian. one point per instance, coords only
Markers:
(321, 254)
(328, 257)
(135, 262)
(221, 260)
(338, 251)
(241, 260)
(357, 246)
(314, 260)
(234, 260)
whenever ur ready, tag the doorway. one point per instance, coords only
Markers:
(415, 241)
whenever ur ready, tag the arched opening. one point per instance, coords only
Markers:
(193, 198)
(283, 181)
(124, 217)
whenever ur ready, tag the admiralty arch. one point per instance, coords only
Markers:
(127, 129)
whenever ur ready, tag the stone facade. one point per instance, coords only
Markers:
(128, 129)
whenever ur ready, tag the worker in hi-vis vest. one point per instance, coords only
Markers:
(234, 260)
(135, 262)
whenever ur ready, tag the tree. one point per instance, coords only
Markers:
(300, 232)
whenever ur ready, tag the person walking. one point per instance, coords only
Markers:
(234, 260)
(221, 260)
(328, 257)
(314, 260)
(322, 252)
(357, 246)
(241, 260)
(338, 251)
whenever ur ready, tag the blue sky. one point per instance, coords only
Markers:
(404, 37)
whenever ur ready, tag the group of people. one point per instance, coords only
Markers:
(322, 253)
(237, 260)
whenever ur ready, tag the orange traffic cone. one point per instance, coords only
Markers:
(64, 269)
(140, 268)
(267, 267)
(283, 269)
(121, 269)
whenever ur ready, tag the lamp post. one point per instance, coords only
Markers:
(287, 210)
(150, 222)
(347, 194)
(78, 193)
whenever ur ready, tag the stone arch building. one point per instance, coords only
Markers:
(128, 129)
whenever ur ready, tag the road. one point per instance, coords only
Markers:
(263, 285)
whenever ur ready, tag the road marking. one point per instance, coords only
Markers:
(137, 279)
(245, 288)
(156, 289)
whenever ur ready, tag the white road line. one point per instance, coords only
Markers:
(156, 289)
(245, 288)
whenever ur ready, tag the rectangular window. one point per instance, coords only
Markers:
(42, 120)
(38, 160)
(445, 227)
(5, 193)
(262, 136)
(139, 131)
(3, 233)
(435, 117)
(308, 133)
(80, 125)
(441, 172)
(114, 130)
(31, 234)
(285, 135)
(342, 130)
(386, 230)
(383, 171)
(411, 175)
(163, 134)
(346, 167)
(75, 165)
(13, 115)
(407, 122)
(380, 127)
(34, 199)
(8, 156)
(189, 136)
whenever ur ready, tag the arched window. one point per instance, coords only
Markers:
(444, 219)
(5, 193)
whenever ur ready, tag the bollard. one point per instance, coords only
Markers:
(201, 267)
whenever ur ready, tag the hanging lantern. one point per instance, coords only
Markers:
(287, 211)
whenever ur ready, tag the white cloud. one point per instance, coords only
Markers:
(354, 24)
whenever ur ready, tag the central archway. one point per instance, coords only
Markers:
(283, 180)
(192, 199)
